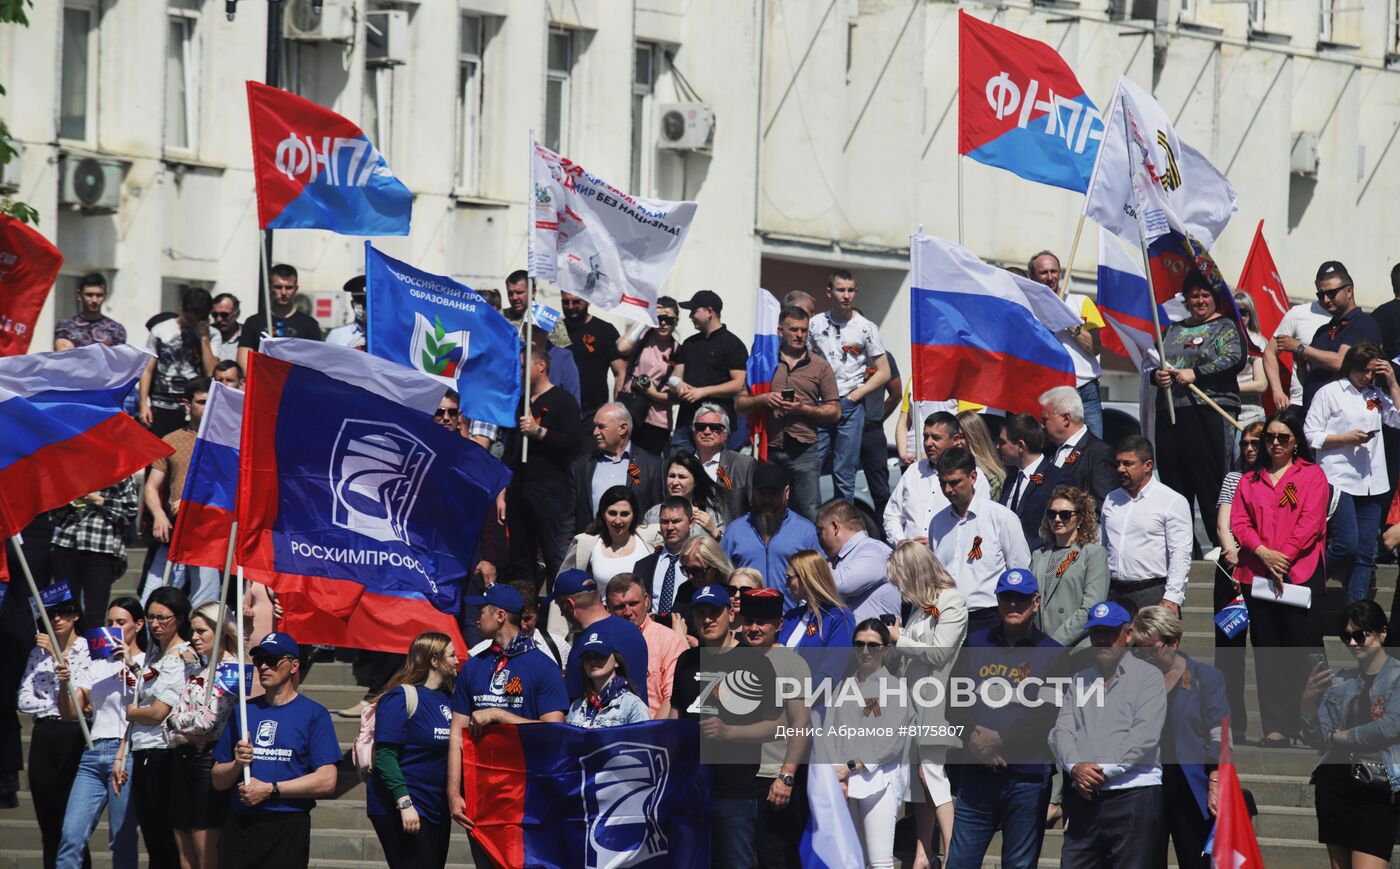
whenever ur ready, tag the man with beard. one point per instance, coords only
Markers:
(562, 369)
(771, 533)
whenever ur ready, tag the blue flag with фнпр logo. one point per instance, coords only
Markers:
(445, 330)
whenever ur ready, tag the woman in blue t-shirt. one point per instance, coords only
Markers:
(607, 699)
(406, 798)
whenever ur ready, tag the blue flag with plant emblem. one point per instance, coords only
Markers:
(445, 330)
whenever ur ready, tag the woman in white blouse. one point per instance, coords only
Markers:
(104, 688)
(1343, 427)
(55, 745)
(930, 643)
(158, 689)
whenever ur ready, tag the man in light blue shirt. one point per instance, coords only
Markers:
(1107, 746)
(857, 562)
(770, 533)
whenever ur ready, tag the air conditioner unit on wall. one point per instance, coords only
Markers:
(386, 38)
(686, 127)
(90, 183)
(335, 22)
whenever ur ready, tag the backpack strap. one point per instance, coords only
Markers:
(410, 699)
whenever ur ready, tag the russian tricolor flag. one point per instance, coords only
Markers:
(210, 498)
(64, 431)
(982, 333)
(763, 360)
(1126, 304)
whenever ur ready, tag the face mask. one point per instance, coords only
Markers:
(359, 309)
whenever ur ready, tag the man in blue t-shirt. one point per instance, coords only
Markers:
(283, 761)
(581, 602)
(512, 682)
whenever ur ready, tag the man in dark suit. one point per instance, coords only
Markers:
(732, 471)
(1032, 476)
(616, 462)
(661, 573)
(1085, 461)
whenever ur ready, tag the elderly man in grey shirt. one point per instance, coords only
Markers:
(1108, 750)
(857, 562)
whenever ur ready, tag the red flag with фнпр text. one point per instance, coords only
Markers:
(29, 264)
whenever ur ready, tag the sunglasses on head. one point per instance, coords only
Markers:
(1332, 293)
(1276, 438)
(1061, 515)
(709, 426)
(1349, 637)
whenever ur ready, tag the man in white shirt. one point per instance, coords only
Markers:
(917, 496)
(857, 562)
(1109, 752)
(974, 537)
(1300, 323)
(352, 334)
(1147, 532)
(1086, 460)
(853, 348)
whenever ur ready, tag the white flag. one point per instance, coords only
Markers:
(1174, 182)
(592, 240)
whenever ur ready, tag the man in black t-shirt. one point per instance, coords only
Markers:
(287, 321)
(594, 345)
(1349, 325)
(704, 690)
(710, 366)
(541, 493)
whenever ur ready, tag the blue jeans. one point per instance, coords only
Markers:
(732, 833)
(804, 465)
(845, 460)
(1093, 408)
(200, 583)
(1351, 536)
(92, 790)
(988, 801)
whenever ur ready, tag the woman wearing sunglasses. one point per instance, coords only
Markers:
(1279, 516)
(649, 352)
(1231, 662)
(1353, 719)
(1343, 426)
(1071, 567)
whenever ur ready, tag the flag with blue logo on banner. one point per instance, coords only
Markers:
(562, 797)
(445, 330)
(544, 317)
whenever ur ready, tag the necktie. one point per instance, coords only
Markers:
(1016, 492)
(668, 585)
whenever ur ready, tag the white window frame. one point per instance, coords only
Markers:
(562, 77)
(190, 18)
(380, 80)
(469, 103)
(89, 136)
(1256, 15)
(1327, 12)
(644, 121)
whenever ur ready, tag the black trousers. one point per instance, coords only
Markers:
(778, 832)
(874, 451)
(1117, 829)
(90, 575)
(1191, 459)
(164, 420)
(1283, 638)
(266, 840)
(55, 747)
(1183, 821)
(150, 796)
(652, 438)
(541, 523)
(426, 849)
(1230, 655)
(16, 639)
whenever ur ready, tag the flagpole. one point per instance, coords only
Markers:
(216, 652)
(56, 650)
(242, 682)
(266, 281)
(1067, 275)
(530, 297)
(960, 201)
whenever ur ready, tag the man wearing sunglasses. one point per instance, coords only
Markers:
(710, 366)
(223, 338)
(291, 753)
(1329, 344)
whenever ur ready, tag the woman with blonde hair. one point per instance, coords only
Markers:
(821, 618)
(929, 643)
(983, 449)
(406, 793)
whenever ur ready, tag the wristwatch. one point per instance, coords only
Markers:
(1302, 348)
(850, 764)
(404, 802)
(276, 791)
(787, 778)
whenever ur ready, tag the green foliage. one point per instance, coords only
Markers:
(14, 12)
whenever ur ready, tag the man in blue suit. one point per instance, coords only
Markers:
(1032, 476)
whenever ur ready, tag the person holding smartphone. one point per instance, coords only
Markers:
(803, 399)
(1342, 426)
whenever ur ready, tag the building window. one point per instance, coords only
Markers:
(1256, 15)
(470, 42)
(78, 87)
(378, 120)
(556, 90)
(1326, 11)
(643, 84)
(181, 75)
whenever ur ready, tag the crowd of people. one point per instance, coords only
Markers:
(645, 540)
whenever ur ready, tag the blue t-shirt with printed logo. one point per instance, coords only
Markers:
(289, 741)
(422, 742)
(528, 685)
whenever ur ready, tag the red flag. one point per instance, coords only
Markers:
(1235, 844)
(29, 264)
(1261, 280)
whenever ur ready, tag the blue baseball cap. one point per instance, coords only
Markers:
(1107, 615)
(277, 645)
(713, 594)
(597, 643)
(499, 595)
(1017, 580)
(572, 582)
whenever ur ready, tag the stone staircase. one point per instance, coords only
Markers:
(343, 839)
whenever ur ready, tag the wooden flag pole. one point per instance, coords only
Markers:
(1067, 274)
(57, 649)
(1217, 408)
(216, 652)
